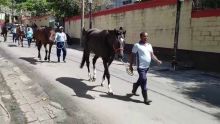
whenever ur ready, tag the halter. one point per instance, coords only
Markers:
(117, 49)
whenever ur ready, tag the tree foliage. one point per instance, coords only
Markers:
(60, 8)
(36, 7)
(65, 8)
(5, 2)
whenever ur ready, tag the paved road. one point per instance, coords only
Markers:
(186, 96)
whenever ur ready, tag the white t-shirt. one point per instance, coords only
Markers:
(60, 37)
(143, 52)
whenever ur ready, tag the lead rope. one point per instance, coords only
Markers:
(129, 72)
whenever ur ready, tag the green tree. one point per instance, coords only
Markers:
(60, 8)
(36, 7)
(65, 8)
(5, 2)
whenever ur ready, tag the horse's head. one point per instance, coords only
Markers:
(119, 42)
(51, 34)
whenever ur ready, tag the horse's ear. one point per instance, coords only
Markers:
(124, 32)
(83, 31)
(116, 31)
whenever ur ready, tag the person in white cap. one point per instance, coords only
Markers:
(60, 40)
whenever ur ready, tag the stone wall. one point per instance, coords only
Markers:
(206, 31)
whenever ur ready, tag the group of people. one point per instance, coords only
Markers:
(27, 32)
(60, 38)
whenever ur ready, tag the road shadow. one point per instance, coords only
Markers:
(217, 115)
(207, 92)
(34, 61)
(126, 97)
(31, 60)
(12, 45)
(199, 86)
(79, 87)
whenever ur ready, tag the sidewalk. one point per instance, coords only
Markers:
(24, 101)
(4, 114)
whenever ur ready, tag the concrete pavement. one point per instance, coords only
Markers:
(24, 101)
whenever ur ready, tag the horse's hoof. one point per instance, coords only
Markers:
(90, 79)
(93, 79)
(45, 59)
(102, 84)
(110, 93)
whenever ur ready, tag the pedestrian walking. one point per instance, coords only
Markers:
(14, 36)
(29, 36)
(60, 39)
(144, 52)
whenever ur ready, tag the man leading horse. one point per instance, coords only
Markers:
(4, 31)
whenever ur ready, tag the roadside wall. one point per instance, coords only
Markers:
(41, 20)
(206, 31)
(199, 35)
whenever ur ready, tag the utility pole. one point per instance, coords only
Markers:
(90, 14)
(82, 21)
(12, 11)
(176, 35)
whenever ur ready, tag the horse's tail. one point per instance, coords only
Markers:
(83, 59)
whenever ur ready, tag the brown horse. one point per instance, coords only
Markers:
(105, 44)
(20, 35)
(4, 32)
(44, 36)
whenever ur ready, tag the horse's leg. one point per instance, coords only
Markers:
(21, 41)
(39, 47)
(111, 60)
(106, 73)
(5, 37)
(94, 69)
(109, 63)
(103, 79)
(50, 46)
(46, 51)
(18, 40)
(87, 64)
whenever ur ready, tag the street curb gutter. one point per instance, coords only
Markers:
(34, 103)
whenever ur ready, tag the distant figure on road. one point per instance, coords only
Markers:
(60, 40)
(14, 35)
(4, 31)
(144, 52)
(29, 36)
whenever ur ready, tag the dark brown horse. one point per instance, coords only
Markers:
(20, 35)
(104, 44)
(34, 28)
(4, 32)
(44, 36)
